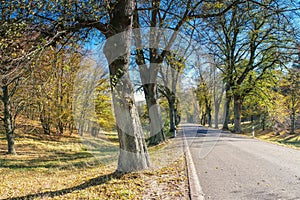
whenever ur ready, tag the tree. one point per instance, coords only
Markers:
(113, 19)
(218, 92)
(290, 89)
(209, 90)
(21, 42)
(205, 103)
(105, 118)
(177, 16)
(249, 39)
(295, 93)
(15, 63)
(133, 150)
(91, 98)
(52, 80)
(169, 77)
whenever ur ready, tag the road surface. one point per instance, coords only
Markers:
(235, 167)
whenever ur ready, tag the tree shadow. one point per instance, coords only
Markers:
(90, 183)
(59, 160)
(293, 143)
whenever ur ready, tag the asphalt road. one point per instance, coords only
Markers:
(235, 167)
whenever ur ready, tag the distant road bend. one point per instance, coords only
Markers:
(233, 167)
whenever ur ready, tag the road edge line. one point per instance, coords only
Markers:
(196, 192)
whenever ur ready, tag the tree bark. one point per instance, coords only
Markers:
(172, 114)
(8, 121)
(133, 150)
(227, 112)
(157, 134)
(238, 101)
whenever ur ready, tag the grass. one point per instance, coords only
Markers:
(70, 167)
(282, 138)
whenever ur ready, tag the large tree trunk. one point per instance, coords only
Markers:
(238, 101)
(226, 112)
(157, 134)
(133, 150)
(8, 121)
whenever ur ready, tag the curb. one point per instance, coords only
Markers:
(196, 192)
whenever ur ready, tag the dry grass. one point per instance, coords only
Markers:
(281, 138)
(64, 168)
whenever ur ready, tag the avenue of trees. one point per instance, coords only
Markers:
(247, 69)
